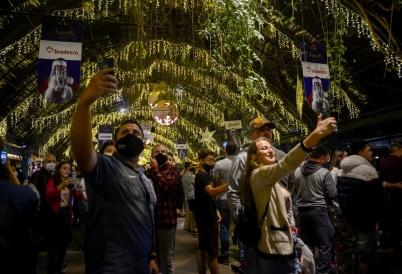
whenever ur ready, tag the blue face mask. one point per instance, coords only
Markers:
(326, 165)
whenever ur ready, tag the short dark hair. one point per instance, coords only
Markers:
(320, 151)
(231, 148)
(171, 154)
(358, 145)
(205, 153)
(187, 164)
(135, 122)
(394, 147)
(104, 145)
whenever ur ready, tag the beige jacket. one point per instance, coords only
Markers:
(276, 236)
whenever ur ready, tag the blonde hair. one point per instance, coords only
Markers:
(246, 192)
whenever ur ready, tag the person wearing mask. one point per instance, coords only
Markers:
(271, 203)
(207, 216)
(165, 178)
(59, 197)
(316, 190)
(42, 235)
(107, 148)
(18, 205)
(114, 185)
(41, 177)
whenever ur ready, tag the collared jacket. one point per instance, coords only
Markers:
(188, 185)
(359, 192)
(276, 236)
(165, 179)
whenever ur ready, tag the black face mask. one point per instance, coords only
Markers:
(129, 146)
(161, 159)
(207, 167)
(326, 165)
(192, 169)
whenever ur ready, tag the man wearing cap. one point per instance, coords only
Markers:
(360, 197)
(259, 127)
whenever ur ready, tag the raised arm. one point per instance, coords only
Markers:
(81, 127)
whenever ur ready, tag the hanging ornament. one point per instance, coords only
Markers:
(158, 93)
(206, 137)
(299, 97)
(165, 112)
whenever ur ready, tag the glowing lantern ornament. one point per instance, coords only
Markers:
(206, 137)
(148, 135)
(157, 93)
(165, 112)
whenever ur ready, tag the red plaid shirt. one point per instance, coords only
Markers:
(165, 179)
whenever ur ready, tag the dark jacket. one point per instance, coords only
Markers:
(40, 179)
(360, 202)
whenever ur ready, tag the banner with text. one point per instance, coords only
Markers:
(59, 62)
(105, 133)
(181, 148)
(233, 128)
(316, 76)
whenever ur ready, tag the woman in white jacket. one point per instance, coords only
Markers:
(274, 252)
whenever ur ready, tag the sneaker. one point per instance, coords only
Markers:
(236, 269)
(223, 260)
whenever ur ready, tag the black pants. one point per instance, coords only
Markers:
(395, 217)
(316, 229)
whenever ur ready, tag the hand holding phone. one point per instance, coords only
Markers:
(3, 157)
(106, 63)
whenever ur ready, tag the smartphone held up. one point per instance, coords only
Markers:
(106, 63)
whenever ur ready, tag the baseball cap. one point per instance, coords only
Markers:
(259, 122)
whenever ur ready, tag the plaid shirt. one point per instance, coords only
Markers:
(165, 179)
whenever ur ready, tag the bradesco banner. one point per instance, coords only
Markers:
(316, 76)
(59, 62)
(105, 133)
(181, 148)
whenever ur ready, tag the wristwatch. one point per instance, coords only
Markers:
(152, 256)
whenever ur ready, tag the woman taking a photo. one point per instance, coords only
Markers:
(58, 194)
(275, 250)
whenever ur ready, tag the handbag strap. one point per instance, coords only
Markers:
(266, 208)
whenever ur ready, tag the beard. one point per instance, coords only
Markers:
(60, 79)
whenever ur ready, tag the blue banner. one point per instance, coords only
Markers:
(59, 63)
(314, 53)
(316, 76)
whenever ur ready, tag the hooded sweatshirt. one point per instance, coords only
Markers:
(314, 185)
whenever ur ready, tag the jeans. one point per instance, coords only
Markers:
(223, 207)
(316, 224)
(83, 206)
(367, 245)
(165, 239)
(55, 256)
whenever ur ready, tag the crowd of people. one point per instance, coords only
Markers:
(332, 202)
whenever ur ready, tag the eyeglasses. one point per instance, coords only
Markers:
(209, 160)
